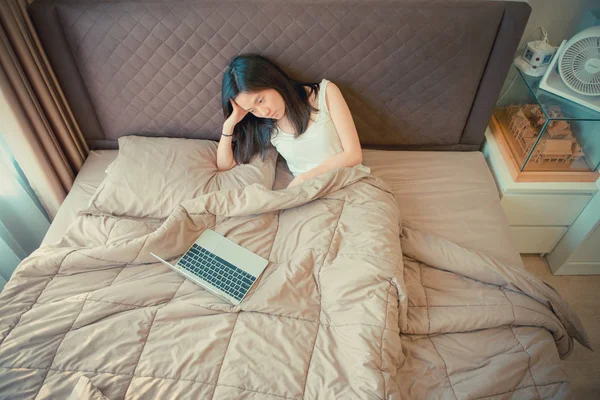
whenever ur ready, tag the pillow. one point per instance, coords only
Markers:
(151, 176)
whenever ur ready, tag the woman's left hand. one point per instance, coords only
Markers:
(297, 180)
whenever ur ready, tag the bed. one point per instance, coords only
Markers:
(402, 283)
(455, 197)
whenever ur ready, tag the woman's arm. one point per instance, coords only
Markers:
(344, 125)
(225, 159)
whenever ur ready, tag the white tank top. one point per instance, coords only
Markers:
(316, 145)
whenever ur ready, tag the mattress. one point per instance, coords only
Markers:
(450, 194)
(87, 181)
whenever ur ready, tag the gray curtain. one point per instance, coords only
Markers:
(35, 119)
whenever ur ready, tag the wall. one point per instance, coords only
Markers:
(560, 18)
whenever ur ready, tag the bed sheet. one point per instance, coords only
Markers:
(87, 181)
(450, 194)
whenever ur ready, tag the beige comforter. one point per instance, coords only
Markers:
(337, 314)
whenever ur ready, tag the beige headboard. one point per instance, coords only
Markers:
(416, 74)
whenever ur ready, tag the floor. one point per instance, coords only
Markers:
(583, 293)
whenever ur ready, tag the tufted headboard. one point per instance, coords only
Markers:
(415, 74)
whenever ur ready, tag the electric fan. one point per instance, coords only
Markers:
(575, 70)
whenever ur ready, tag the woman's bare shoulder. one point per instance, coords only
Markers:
(332, 91)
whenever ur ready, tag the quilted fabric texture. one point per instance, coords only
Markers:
(152, 176)
(441, 301)
(408, 70)
(349, 307)
(473, 326)
(85, 390)
(320, 323)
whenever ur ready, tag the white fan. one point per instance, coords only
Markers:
(578, 76)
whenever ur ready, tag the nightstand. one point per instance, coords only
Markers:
(539, 213)
(543, 137)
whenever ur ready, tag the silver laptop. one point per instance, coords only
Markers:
(220, 266)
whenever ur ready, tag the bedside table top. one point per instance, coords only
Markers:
(547, 100)
(506, 184)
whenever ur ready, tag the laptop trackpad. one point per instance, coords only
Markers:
(210, 240)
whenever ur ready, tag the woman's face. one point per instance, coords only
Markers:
(267, 103)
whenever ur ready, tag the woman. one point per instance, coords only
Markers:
(309, 124)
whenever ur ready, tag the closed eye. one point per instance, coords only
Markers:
(251, 110)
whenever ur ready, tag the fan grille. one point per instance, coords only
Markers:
(580, 66)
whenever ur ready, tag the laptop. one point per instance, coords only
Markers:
(219, 265)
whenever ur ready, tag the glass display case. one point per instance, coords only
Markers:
(544, 137)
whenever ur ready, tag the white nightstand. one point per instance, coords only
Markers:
(539, 213)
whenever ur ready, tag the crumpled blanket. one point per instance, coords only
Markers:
(337, 314)
(475, 327)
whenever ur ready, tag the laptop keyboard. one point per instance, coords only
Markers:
(216, 271)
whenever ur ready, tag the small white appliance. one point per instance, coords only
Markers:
(575, 71)
(536, 56)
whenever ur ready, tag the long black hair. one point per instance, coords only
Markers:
(252, 73)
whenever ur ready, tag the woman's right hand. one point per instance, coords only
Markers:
(236, 116)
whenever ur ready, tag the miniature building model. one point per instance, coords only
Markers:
(526, 123)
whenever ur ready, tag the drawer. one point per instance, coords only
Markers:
(536, 239)
(543, 209)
